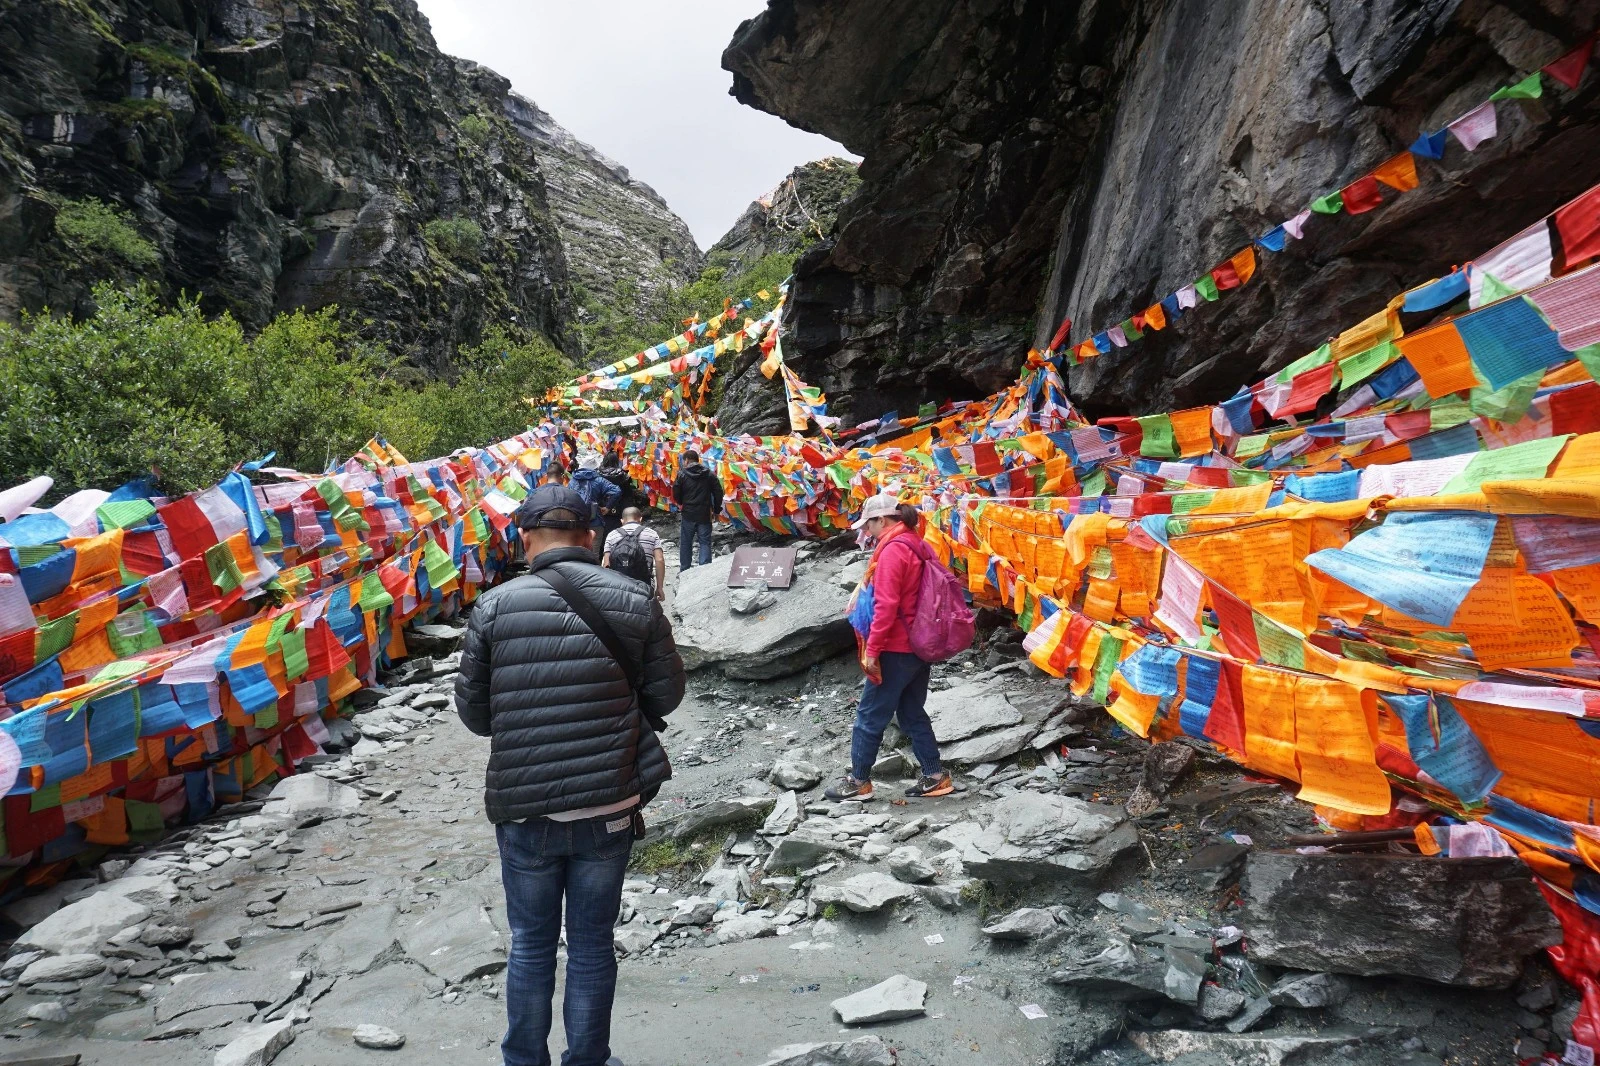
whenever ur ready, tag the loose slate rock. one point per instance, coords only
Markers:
(1032, 836)
(84, 925)
(865, 1051)
(62, 968)
(1307, 990)
(898, 997)
(865, 893)
(908, 865)
(378, 1038)
(795, 774)
(257, 1045)
(165, 936)
(1028, 923)
(1466, 922)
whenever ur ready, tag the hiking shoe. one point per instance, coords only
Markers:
(929, 787)
(849, 788)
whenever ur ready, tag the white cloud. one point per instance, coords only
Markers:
(640, 80)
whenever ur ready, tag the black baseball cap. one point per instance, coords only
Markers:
(530, 514)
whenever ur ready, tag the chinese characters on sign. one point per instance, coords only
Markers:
(775, 566)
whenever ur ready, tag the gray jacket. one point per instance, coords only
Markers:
(565, 729)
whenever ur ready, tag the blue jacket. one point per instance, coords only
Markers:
(597, 490)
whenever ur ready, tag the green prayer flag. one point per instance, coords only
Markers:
(275, 632)
(1105, 663)
(1131, 331)
(1516, 462)
(142, 817)
(1158, 441)
(267, 717)
(373, 595)
(45, 798)
(118, 670)
(123, 514)
(1206, 286)
(347, 517)
(1357, 368)
(223, 567)
(1306, 362)
(295, 660)
(54, 637)
(1450, 413)
(1529, 88)
(1094, 484)
(132, 632)
(1242, 478)
(1493, 289)
(1100, 563)
(1184, 502)
(1279, 647)
(1330, 204)
(1590, 358)
(274, 534)
(441, 571)
(1252, 445)
(927, 410)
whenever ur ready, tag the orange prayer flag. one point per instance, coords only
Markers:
(1244, 264)
(1440, 358)
(1334, 744)
(1191, 430)
(1269, 722)
(1155, 316)
(1399, 172)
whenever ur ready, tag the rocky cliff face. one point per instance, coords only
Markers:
(1026, 160)
(270, 154)
(623, 243)
(797, 214)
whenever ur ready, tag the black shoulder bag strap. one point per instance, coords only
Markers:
(596, 621)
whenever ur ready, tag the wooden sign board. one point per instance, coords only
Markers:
(775, 566)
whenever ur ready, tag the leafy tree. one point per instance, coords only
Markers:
(459, 239)
(95, 229)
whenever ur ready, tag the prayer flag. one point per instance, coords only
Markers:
(1398, 172)
(1155, 316)
(1568, 70)
(1273, 239)
(1361, 195)
(1330, 204)
(1244, 264)
(1295, 227)
(1224, 277)
(1476, 126)
(1430, 145)
(1441, 358)
(1529, 88)
(1061, 334)
(1508, 341)
(1578, 223)
(1206, 286)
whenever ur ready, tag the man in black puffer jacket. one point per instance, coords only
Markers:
(571, 755)
(698, 494)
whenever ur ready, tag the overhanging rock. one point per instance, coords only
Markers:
(1468, 921)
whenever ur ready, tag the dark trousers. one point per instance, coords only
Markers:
(689, 531)
(903, 695)
(542, 862)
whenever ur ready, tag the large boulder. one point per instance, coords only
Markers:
(1468, 921)
(309, 795)
(83, 926)
(865, 893)
(1032, 836)
(805, 626)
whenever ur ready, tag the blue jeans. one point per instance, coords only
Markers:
(689, 531)
(903, 695)
(540, 862)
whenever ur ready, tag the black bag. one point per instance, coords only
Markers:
(629, 556)
(596, 621)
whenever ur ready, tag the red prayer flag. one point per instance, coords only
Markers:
(1408, 425)
(1128, 428)
(191, 531)
(1578, 223)
(1061, 334)
(1361, 195)
(1308, 389)
(1238, 626)
(16, 653)
(985, 460)
(1568, 70)
(1225, 276)
(1225, 723)
(1575, 410)
(1065, 655)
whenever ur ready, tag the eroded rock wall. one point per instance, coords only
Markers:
(1026, 160)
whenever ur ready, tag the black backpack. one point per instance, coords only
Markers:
(629, 556)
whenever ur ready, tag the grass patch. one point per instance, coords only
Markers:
(91, 227)
(990, 898)
(662, 855)
(459, 239)
(831, 911)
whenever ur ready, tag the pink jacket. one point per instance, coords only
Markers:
(896, 582)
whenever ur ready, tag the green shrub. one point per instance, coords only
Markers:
(460, 239)
(475, 128)
(92, 228)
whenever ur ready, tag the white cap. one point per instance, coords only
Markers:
(589, 461)
(883, 505)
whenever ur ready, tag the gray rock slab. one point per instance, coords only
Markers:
(720, 814)
(62, 968)
(260, 988)
(1026, 923)
(966, 710)
(257, 1045)
(803, 848)
(805, 626)
(355, 945)
(1253, 1049)
(865, 893)
(198, 1021)
(1308, 990)
(865, 1051)
(636, 936)
(1035, 836)
(987, 747)
(1466, 922)
(784, 816)
(796, 774)
(1123, 971)
(83, 926)
(378, 1038)
(458, 939)
(744, 927)
(908, 864)
(898, 997)
(308, 794)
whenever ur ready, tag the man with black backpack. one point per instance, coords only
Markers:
(633, 548)
(568, 670)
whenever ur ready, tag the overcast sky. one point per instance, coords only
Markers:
(642, 81)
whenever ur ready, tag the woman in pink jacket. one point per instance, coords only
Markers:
(897, 680)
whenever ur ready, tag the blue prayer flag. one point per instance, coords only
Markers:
(1430, 145)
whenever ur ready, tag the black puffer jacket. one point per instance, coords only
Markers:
(565, 730)
(697, 492)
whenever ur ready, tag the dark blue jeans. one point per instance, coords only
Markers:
(540, 862)
(903, 695)
(689, 531)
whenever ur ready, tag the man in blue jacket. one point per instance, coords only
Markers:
(599, 492)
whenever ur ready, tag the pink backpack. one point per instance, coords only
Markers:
(942, 626)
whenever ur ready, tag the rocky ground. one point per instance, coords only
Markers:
(1028, 919)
